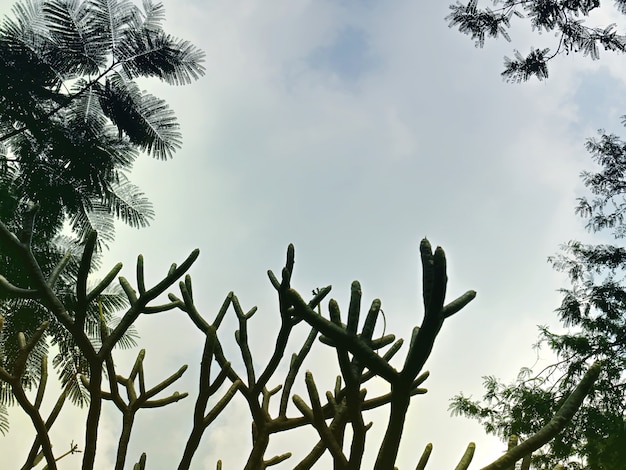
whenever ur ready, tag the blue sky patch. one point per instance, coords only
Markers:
(349, 56)
(602, 99)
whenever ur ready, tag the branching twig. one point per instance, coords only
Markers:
(14, 379)
(136, 401)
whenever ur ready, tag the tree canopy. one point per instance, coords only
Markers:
(594, 312)
(72, 122)
(74, 119)
(565, 20)
(594, 307)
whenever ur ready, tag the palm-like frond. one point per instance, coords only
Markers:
(27, 83)
(156, 54)
(28, 33)
(129, 204)
(22, 316)
(4, 420)
(27, 28)
(153, 17)
(72, 168)
(6, 395)
(124, 201)
(86, 106)
(110, 22)
(47, 253)
(156, 129)
(129, 339)
(97, 217)
(118, 96)
(69, 364)
(113, 299)
(68, 23)
(72, 246)
(26, 315)
(5, 168)
(147, 120)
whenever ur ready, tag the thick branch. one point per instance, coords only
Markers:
(558, 422)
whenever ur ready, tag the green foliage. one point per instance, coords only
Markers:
(73, 119)
(560, 17)
(26, 314)
(72, 123)
(594, 311)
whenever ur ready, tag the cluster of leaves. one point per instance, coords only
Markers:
(72, 122)
(594, 311)
(561, 17)
(72, 116)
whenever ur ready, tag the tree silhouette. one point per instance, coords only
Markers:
(73, 118)
(564, 18)
(338, 420)
(593, 310)
(72, 122)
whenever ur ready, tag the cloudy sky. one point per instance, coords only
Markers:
(353, 130)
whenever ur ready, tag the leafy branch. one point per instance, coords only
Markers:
(558, 16)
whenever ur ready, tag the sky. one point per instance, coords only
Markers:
(353, 130)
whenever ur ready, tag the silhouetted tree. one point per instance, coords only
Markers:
(563, 19)
(72, 122)
(594, 311)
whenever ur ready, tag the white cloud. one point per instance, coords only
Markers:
(355, 163)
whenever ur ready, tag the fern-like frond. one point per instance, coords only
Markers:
(118, 96)
(22, 316)
(27, 33)
(129, 204)
(152, 17)
(158, 133)
(86, 105)
(112, 300)
(4, 420)
(148, 121)
(66, 245)
(111, 19)
(69, 363)
(129, 339)
(6, 394)
(68, 23)
(27, 86)
(145, 53)
(98, 218)
(6, 170)
(27, 25)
